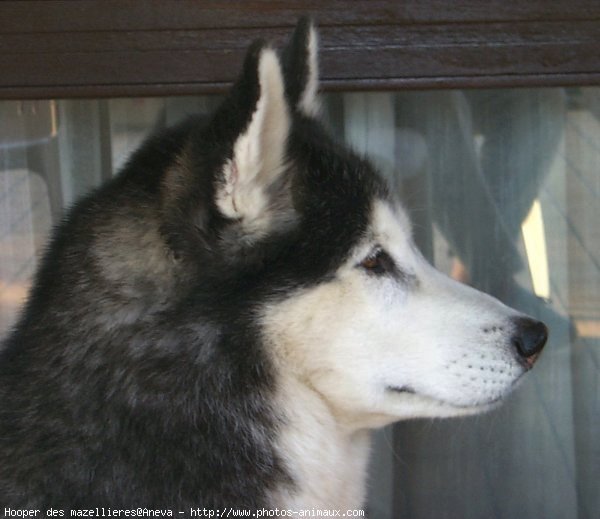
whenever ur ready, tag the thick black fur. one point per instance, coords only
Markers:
(136, 376)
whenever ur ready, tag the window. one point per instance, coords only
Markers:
(503, 187)
(502, 184)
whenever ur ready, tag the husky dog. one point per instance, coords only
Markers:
(223, 322)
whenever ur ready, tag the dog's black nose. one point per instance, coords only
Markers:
(529, 338)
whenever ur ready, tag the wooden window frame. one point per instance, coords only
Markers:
(110, 48)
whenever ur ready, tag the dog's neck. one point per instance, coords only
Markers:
(327, 461)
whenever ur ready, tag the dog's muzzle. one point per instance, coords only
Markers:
(529, 337)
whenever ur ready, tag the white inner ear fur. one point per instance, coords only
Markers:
(259, 152)
(309, 102)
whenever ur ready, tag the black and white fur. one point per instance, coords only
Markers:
(223, 322)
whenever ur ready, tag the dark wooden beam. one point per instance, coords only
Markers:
(93, 48)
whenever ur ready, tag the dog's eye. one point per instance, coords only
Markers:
(378, 263)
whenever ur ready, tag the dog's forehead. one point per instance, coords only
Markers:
(389, 222)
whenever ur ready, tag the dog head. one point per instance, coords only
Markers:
(308, 235)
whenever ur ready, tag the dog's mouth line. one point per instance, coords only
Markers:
(408, 390)
(402, 389)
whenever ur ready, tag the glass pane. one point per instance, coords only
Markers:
(503, 188)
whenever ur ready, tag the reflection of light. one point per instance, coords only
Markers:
(535, 247)
(53, 119)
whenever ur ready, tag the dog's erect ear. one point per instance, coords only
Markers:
(257, 161)
(302, 68)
